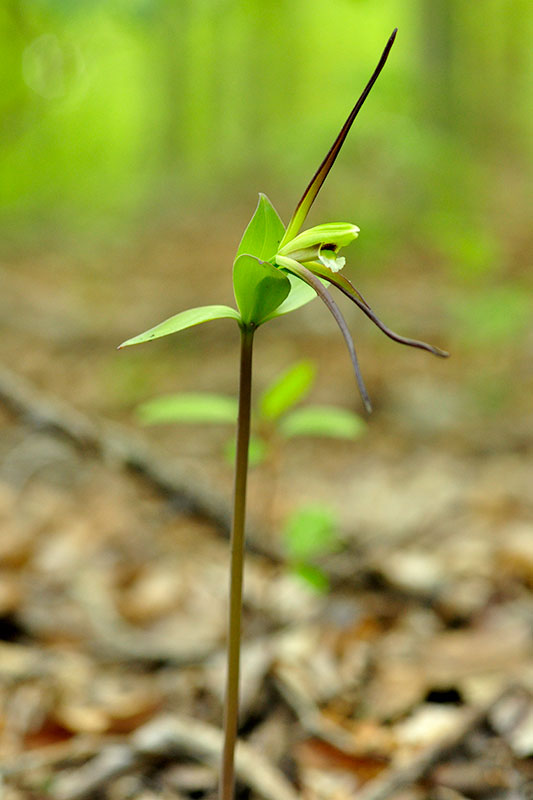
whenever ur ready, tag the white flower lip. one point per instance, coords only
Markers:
(331, 262)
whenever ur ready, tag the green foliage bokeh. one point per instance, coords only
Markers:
(112, 108)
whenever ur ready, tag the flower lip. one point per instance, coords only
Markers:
(321, 243)
(328, 257)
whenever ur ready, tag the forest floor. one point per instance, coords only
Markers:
(411, 678)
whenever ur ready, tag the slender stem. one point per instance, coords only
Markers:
(231, 708)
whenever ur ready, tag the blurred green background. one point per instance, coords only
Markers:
(122, 118)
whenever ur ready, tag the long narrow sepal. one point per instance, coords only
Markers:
(307, 276)
(321, 174)
(348, 289)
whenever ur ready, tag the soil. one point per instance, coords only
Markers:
(410, 678)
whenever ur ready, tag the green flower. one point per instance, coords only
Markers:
(312, 256)
(277, 269)
(322, 242)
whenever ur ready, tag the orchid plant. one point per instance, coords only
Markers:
(276, 270)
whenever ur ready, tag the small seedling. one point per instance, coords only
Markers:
(276, 270)
(310, 532)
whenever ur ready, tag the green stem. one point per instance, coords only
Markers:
(231, 708)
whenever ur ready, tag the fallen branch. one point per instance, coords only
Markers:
(167, 737)
(112, 637)
(115, 760)
(52, 756)
(186, 491)
(116, 445)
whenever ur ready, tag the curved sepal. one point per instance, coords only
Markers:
(307, 276)
(321, 174)
(347, 288)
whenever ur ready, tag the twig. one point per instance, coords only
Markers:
(396, 779)
(183, 490)
(112, 637)
(115, 444)
(112, 762)
(167, 737)
(120, 446)
(51, 756)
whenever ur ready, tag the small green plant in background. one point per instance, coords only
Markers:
(276, 270)
(309, 533)
(312, 530)
(276, 417)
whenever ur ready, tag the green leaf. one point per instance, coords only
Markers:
(287, 389)
(259, 288)
(299, 296)
(323, 421)
(309, 532)
(264, 232)
(183, 320)
(191, 408)
(257, 451)
(313, 576)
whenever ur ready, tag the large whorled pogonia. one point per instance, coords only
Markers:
(278, 269)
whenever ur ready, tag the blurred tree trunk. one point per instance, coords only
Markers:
(223, 68)
(496, 47)
(186, 56)
(437, 53)
(171, 23)
(518, 65)
(472, 57)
